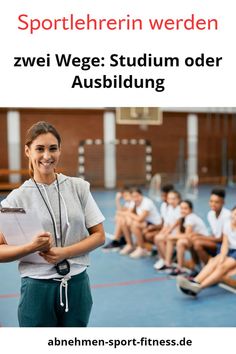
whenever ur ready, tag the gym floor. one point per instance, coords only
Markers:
(130, 293)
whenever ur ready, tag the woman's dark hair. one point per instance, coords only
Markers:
(37, 129)
(125, 188)
(188, 202)
(182, 220)
(136, 190)
(234, 208)
(181, 225)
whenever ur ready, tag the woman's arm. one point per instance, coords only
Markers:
(140, 217)
(117, 200)
(182, 235)
(208, 238)
(188, 230)
(224, 248)
(96, 239)
(173, 226)
(8, 253)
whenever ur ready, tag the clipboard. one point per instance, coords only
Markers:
(18, 227)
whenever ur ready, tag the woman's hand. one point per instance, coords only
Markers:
(41, 242)
(54, 255)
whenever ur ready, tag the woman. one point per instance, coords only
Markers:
(56, 292)
(218, 266)
(192, 225)
(124, 204)
(170, 227)
(146, 214)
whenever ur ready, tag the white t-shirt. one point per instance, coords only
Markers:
(198, 225)
(163, 210)
(231, 234)
(129, 204)
(217, 224)
(78, 213)
(172, 215)
(153, 214)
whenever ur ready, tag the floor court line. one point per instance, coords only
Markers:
(8, 296)
(107, 285)
(129, 282)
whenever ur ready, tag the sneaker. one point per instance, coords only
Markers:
(166, 269)
(176, 271)
(139, 253)
(186, 284)
(159, 264)
(187, 292)
(112, 246)
(127, 249)
(161, 267)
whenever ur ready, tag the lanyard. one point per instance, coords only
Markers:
(50, 213)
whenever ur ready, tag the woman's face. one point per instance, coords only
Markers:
(137, 198)
(184, 209)
(173, 199)
(44, 153)
(126, 196)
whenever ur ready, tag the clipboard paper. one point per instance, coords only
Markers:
(18, 227)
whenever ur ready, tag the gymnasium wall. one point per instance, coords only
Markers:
(216, 147)
(3, 142)
(167, 140)
(216, 144)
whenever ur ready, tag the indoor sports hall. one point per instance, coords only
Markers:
(192, 148)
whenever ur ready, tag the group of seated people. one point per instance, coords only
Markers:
(175, 230)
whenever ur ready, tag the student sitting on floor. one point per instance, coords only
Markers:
(151, 230)
(146, 214)
(124, 203)
(192, 225)
(218, 266)
(170, 227)
(205, 247)
(164, 205)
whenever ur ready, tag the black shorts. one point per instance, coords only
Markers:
(214, 252)
(232, 253)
